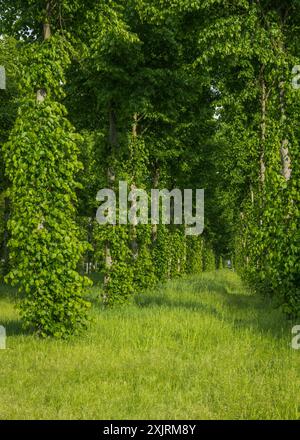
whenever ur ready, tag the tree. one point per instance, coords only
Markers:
(9, 60)
(41, 164)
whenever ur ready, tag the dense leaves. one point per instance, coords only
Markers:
(162, 94)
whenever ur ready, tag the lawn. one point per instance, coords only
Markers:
(198, 348)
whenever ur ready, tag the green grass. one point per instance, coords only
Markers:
(197, 348)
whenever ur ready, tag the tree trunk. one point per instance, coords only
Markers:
(111, 177)
(263, 128)
(6, 236)
(155, 186)
(286, 169)
(42, 93)
(113, 136)
(133, 242)
(46, 31)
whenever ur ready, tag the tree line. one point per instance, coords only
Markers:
(160, 94)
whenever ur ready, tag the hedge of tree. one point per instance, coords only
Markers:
(160, 94)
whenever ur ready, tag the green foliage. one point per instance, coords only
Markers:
(48, 63)
(144, 270)
(194, 263)
(119, 269)
(258, 113)
(41, 159)
(41, 162)
(209, 262)
(162, 253)
(177, 255)
(165, 94)
(10, 60)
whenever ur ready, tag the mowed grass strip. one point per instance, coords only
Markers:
(202, 347)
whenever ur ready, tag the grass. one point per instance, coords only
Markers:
(198, 348)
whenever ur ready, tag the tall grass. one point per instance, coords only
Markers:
(198, 348)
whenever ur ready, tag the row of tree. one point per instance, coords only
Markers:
(161, 94)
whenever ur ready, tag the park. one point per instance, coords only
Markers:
(149, 210)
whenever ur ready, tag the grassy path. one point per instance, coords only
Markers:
(199, 348)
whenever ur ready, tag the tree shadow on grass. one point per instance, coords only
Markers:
(200, 285)
(8, 292)
(210, 286)
(148, 300)
(240, 310)
(256, 313)
(193, 286)
(14, 327)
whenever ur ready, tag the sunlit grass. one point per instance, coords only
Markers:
(198, 348)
